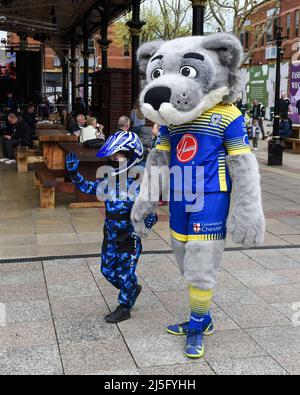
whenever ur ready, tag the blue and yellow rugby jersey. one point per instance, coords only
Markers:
(199, 208)
(206, 142)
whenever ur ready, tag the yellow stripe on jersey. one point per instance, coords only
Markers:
(186, 238)
(163, 144)
(222, 172)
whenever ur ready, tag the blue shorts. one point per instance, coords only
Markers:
(205, 225)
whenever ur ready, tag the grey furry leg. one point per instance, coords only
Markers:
(202, 263)
(179, 249)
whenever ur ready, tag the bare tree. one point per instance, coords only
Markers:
(232, 15)
(165, 20)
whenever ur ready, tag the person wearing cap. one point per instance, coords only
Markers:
(121, 248)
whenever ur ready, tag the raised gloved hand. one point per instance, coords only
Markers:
(151, 220)
(72, 163)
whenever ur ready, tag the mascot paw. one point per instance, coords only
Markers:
(247, 233)
(140, 212)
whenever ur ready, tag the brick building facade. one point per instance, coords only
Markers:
(259, 71)
(265, 15)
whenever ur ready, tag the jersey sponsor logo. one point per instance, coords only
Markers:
(216, 119)
(187, 148)
(197, 228)
(246, 140)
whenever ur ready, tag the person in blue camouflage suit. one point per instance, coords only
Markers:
(121, 246)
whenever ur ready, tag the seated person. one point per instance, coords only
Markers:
(286, 127)
(77, 128)
(18, 134)
(67, 120)
(92, 132)
(29, 117)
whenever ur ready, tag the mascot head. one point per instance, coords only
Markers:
(187, 76)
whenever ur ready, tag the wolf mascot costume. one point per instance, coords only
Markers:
(190, 84)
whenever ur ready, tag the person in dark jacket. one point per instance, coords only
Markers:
(77, 128)
(284, 105)
(11, 104)
(80, 107)
(19, 134)
(29, 117)
(286, 127)
(258, 113)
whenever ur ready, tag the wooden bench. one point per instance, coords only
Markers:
(50, 182)
(26, 156)
(295, 145)
(46, 182)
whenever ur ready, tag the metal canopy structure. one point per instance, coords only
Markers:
(56, 22)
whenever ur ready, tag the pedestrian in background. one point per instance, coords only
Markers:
(258, 113)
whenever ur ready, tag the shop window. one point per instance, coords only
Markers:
(297, 23)
(288, 25)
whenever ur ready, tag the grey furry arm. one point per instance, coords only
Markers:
(247, 220)
(151, 189)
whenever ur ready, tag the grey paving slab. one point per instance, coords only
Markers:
(20, 267)
(293, 253)
(18, 312)
(256, 278)
(141, 326)
(87, 329)
(233, 261)
(274, 260)
(73, 289)
(279, 293)
(67, 273)
(22, 293)
(242, 296)
(32, 361)
(290, 362)
(33, 277)
(226, 280)
(257, 366)
(165, 282)
(78, 308)
(57, 263)
(161, 267)
(277, 341)
(255, 316)
(96, 358)
(26, 335)
(232, 344)
(291, 276)
(155, 350)
(287, 309)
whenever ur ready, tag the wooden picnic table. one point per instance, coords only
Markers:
(50, 139)
(56, 126)
(296, 131)
(89, 164)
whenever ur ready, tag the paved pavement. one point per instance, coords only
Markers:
(54, 309)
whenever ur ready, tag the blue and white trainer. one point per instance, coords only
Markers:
(182, 329)
(194, 344)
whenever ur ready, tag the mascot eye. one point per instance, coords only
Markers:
(188, 71)
(157, 73)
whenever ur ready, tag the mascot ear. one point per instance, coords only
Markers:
(145, 53)
(228, 48)
(230, 53)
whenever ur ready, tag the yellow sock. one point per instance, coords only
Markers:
(200, 301)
